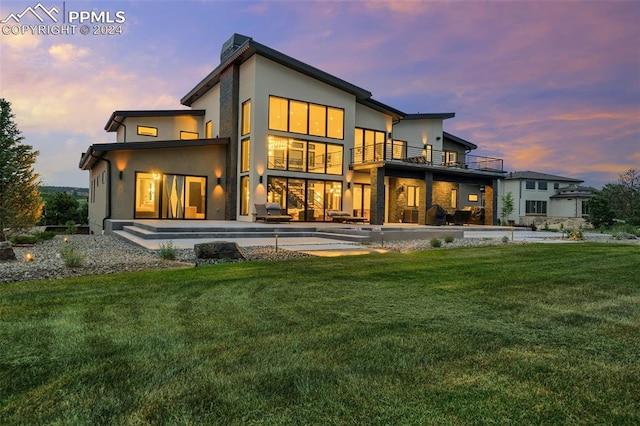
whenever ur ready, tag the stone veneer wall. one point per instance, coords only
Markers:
(229, 105)
(442, 194)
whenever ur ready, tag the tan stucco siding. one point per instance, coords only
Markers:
(420, 132)
(98, 183)
(210, 102)
(168, 128)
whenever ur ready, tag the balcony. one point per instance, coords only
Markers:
(400, 153)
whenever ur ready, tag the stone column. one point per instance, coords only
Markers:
(377, 196)
(229, 105)
(426, 194)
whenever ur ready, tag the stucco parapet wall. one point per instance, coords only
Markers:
(399, 164)
(96, 151)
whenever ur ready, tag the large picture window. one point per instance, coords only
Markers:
(304, 156)
(244, 195)
(305, 199)
(369, 145)
(305, 118)
(169, 196)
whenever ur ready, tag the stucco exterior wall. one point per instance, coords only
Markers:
(419, 132)
(98, 183)
(168, 128)
(210, 102)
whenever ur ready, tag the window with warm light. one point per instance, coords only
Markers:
(305, 199)
(244, 195)
(305, 118)
(188, 135)
(208, 129)
(278, 114)
(245, 152)
(304, 156)
(147, 131)
(317, 120)
(454, 198)
(147, 195)
(398, 150)
(298, 117)
(473, 198)
(413, 195)
(246, 117)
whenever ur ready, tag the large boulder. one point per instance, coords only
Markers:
(218, 250)
(6, 251)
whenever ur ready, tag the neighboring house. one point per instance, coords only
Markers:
(264, 126)
(539, 197)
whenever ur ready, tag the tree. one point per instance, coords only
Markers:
(600, 213)
(61, 208)
(617, 201)
(20, 202)
(507, 205)
(630, 200)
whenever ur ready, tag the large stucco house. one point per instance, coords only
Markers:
(541, 197)
(265, 127)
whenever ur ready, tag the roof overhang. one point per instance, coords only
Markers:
(430, 116)
(249, 48)
(453, 138)
(118, 117)
(97, 151)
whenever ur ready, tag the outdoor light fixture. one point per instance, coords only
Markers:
(65, 240)
(260, 179)
(120, 174)
(348, 185)
(219, 181)
(28, 257)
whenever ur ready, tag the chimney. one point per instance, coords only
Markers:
(231, 46)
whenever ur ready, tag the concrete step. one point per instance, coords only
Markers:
(195, 227)
(203, 234)
(343, 236)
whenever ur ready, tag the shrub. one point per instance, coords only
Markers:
(534, 227)
(168, 251)
(44, 235)
(448, 239)
(71, 256)
(24, 239)
(72, 228)
(435, 242)
(505, 239)
(575, 235)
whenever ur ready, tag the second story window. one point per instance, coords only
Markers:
(208, 129)
(148, 131)
(246, 118)
(288, 115)
(530, 184)
(542, 185)
(188, 135)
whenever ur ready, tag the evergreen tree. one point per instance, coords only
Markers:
(20, 202)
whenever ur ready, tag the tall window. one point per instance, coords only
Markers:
(245, 149)
(454, 198)
(147, 198)
(450, 158)
(244, 195)
(305, 118)
(208, 129)
(369, 145)
(305, 199)
(246, 117)
(427, 152)
(413, 196)
(399, 150)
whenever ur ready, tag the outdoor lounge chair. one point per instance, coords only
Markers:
(460, 217)
(344, 217)
(271, 212)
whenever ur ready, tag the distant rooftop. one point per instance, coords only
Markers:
(540, 176)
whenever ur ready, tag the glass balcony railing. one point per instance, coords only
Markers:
(388, 152)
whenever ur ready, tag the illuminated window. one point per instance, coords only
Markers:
(147, 131)
(305, 118)
(147, 197)
(277, 153)
(188, 135)
(305, 199)
(427, 153)
(412, 196)
(297, 155)
(208, 130)
(369, 145)
(317, 120)
(245, 155)
(278, 114)
(244, 195)
(473, 198)
(335, 123)
(454, 198)
(304, 156)
(334, 159)
(450, 158)
(246, 117)
(298, 117)
(399, 150)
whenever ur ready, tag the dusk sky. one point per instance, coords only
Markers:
(548, 86)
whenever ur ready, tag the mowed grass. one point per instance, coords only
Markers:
(514, 334)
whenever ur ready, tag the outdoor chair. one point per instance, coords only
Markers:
(344, 217)
(271, 212)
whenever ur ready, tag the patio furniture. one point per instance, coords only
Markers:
(459, 217)
(436, 215)
(344, 217)
(271, 212)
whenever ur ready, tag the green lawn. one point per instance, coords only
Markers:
(514, 334)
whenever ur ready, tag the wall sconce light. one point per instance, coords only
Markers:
(260, 180)
(438, 138)
(120, 174)
(348, 185)
(219, 181)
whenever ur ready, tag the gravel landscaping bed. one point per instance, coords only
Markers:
(105, 254)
